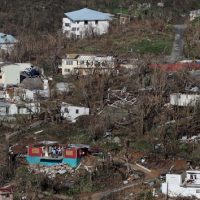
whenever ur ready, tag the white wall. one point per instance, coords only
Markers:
(176, 185)
(10, 74)
(86, 61)
(68, 68)
(175, 190)
(20, 109)
(7, 47)
(13, 109)
(72, 112)
(184, 99)
(194, 14)
(193, 175)
(175, 179)
(80, 29)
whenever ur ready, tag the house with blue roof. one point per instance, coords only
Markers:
(7, 42)
(85, 22)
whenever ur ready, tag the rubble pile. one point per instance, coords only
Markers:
(51, 171)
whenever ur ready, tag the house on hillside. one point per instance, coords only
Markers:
(15, 94)
(13, 73)
(194, 14)
(52, 153)
(86, 64)
(71, 112)
(11, 108)
(85, 22)
(6, 193)
(182, 185)
(7, 42)
(178, 99)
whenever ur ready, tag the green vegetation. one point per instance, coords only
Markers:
(141, 145)
(155, 46)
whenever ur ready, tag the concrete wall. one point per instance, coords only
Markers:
(13, 109)
(175, 179)
(80, 29)
(184, 99)
(72, 112)
(10, 74)
(174, 190)
(66, 67)
(176, 185)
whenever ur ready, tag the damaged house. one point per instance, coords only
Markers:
(11, 108)
(71, 112)
(178, 99)
(15, 73)
(86, 64)
(50, 153)
(85, 22)
(7, 42)
(6, 193)
(182, 185)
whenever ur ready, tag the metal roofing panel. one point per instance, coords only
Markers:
(87, 14)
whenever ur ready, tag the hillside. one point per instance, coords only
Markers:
(113, 114)
(46, 15)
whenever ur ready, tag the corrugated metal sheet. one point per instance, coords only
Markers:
(88, 14)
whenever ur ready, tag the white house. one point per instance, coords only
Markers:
(194, 14)
(178, 99)
(10, 72)
(183, 185)
(7, 42)
(10, 108)
(85, 22)
(71, 112)
(85, 64)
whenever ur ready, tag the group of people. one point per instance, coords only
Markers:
(56, 151)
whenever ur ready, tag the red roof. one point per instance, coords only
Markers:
(6, 189)
(176, 66)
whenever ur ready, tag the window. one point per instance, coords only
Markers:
(7, 195)
(73, 29)
(0, 77)
(77, 29)
(77, 22)
(96, 22)
(85, 22)
(7, 110)
(67, 24)
(77, 36)
(66, 110)
(67, 70)
(69, 62)
(77, 111)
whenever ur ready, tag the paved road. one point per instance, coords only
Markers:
(177, 50)
(100, 195)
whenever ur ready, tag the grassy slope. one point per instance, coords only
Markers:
(143, 37)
